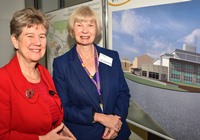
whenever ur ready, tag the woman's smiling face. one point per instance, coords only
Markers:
(85, 32)
(31, 44)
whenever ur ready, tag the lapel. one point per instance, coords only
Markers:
(19, 81)
(22, 85)
(104, 71)
(83, 78)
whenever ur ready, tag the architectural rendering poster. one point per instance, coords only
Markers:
(59, 40)
(159, 46)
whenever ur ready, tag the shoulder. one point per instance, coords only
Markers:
(109, 55)
(10, 69)
(3, 73)
(6, 79)
(3, 69)
(107, 52)
(68, 55)
(61, 57)
(6, 85)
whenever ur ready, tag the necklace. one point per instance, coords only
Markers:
(36, 78)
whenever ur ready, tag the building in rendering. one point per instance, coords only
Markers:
(183, 65)
(180, 66)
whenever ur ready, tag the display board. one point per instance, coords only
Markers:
(147, 28)
(159, 46)
(59, 40)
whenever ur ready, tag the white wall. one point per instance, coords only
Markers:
(7, 9)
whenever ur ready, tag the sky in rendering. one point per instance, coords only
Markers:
(156, 30)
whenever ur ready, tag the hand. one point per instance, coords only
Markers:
(66, 132)
(113, 122)
(61, 132)
(109, 134)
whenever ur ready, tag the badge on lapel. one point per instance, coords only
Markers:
(105, 59)
(29, 93)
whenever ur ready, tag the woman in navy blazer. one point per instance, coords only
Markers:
(91, 83)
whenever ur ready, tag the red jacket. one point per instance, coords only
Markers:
(23, 118)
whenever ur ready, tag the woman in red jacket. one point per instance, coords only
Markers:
(30, 108)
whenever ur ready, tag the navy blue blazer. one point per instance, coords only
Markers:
(80, 98)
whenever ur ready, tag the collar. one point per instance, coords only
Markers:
(20, 82)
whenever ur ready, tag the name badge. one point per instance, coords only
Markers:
(105, 59)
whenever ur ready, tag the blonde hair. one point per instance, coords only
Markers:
(82, 14)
